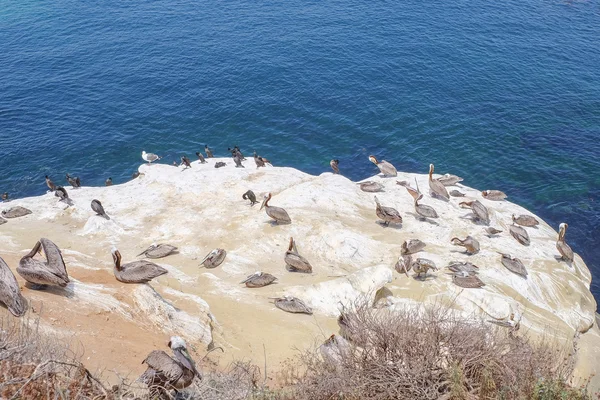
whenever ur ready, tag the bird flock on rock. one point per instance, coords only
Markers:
(166, 373)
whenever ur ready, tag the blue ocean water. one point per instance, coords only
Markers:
(505, 94)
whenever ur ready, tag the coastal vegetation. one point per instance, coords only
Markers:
(429, 353)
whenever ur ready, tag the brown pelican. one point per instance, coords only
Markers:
(422, 266)
(525, 220)
(415, 193)
(456, 193)
(98, 209)
(519, 234)
(40, 274)
(165, 373)
(5, 196)
(137, 271)
(186, 161)
(386, 168)
(294, 261)
(62, 194)
(209, 153)
(424, 211)
(436, 187)
(220, 164)
(491, 231)
(371, 187)
(513, 264)
(404, 264)
(470, 244)
(334, 166)
(412, 246)
(238, 161)
(449, 180)
(292, 305)
(73, 181)
(457, 266)
(387, 214)
(201, 157)
(496, 195)
(108, 182)
(466, 280)
(334, 349)
(150, 157)
(214, 258)
(15, 212)
(50, 184)
(249, 195)
(158, 251)
(277, 213)
(10, 292)
(479, 210)
(563, 248)
(259, 279)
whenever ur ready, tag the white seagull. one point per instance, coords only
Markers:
(150, 157)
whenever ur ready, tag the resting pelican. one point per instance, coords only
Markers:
(15, 212)
(41, 274)
(370, 186)
(412, 246)
(466, 280)
(209, 153)
(424, 211)
(214, 258)
(98, 209)
(457, 266)
(137, 271)
(201, 157)
(334, 349)
(386, 168)
(294, 261)
(165, 373)
(334, 166)
(479, 210)
(387, 214)
(519, 234)
(449, 180)
(158, 250)
(150, 157)
(404, 264)
(456, 193)
(73, 181)
(10, 292)
(259, 279)
(563, 248)
(277, 213)
(495, 195)
(525, 220)
(50, 184)
(437, 188)
(422, 266)
(491, 231)
(470, 244)
(292, 305)
(513, 264)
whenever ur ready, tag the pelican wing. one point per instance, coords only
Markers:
(10, 293)
(139, 272)
(185, 360)
(161, 362)
(519, 234)
(15, 212)
(56, 264)
(469, 282)
(278, 214)
(297, 262)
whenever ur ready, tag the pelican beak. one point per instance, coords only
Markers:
(263, 203)
(169, 344)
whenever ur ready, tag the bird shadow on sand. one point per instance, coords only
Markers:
(422, 219)
(559, 259)
(474, 219)
(425, 278)
(275, 223)
(68, 291)
(433, 196)
(391, 225)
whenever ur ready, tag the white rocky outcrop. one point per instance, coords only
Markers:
(335, 227)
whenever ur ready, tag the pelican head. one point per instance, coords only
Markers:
(465, 204)
(265, 201)
(456, 241)
(373, 159)
(176, 342)
(116, 255)
(485, 193)
(562, 230)
(291, 246)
